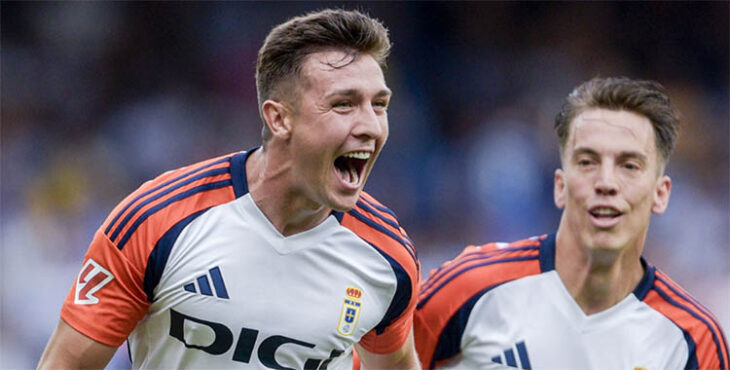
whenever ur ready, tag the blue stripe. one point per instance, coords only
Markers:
(509, 357)
(158, 188)
(188, 287)
(547, 254)
(378, 215)
(703, 310)
(497, 359)
(647, 281)
(381, 208)
(449, 342)
(692, 362)
(136, 209)
(186, 194)
(472, 256)
(425, 300)
(402, 295)
(338, 215)
(475, 256)
(395, 225)
(220, 287)
(693, 314)
(204, 285)
(129, 352)
(383, 230)
(238, 173)
(524, 358)
(158, 258)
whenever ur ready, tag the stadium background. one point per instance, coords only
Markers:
(98, 97)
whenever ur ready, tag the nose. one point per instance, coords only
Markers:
(370, 124)
(606, 183)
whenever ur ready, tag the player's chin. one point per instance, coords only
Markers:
(344, 202)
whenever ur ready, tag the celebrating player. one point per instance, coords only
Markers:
(582, 298)
(272, 257)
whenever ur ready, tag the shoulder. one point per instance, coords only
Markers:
(451, 291)
(482, 267)
(376, 224)
(702, 331)
(174, 197)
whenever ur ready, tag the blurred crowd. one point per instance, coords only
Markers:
(98, 97)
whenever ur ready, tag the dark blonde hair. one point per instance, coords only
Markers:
(281, 57)
(646, 98)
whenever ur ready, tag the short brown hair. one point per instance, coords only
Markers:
(281, 57)
(646, 98)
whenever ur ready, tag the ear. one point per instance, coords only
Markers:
(277, 118)
(661, 195)
(559, 189)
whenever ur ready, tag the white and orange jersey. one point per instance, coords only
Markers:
(504, 305)
(191, 272)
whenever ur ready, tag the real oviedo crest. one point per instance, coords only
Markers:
(350, 311)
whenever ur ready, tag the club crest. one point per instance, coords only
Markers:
(350, 311)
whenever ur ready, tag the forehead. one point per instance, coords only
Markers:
(603, 129)
(335, 69)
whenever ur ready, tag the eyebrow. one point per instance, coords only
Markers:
(623, 155)
(358, 93)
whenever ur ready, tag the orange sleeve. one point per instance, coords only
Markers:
(380, 229)
(107, 299)
(710, 345)
(448, 289)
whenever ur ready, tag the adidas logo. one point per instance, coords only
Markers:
(508, 357)
(203, 284)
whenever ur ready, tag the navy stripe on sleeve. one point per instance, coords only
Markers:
(388, 221)
(158, 258)
(692, 362)
(477, 256)
(449, 342)
(402, 295)
(379, 207)
(183, 195)
(133, 212)
(671, 301)
(158, 187)
(383, 230)
(699, 308)
(425, 299)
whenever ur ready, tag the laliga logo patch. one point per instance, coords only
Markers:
(350, 311)
(92, 278)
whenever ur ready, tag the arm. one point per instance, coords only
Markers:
(69, 349)
(402, 358)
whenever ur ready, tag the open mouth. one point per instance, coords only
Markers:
(605, 216)
(605, 212)
(350, 166)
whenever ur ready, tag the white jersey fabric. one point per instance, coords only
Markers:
(220, 287)
(504, 305)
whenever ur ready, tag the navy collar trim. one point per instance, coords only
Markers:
(238, 172)
(547, 263)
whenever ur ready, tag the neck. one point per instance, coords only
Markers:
(596, 279)
(269, 173)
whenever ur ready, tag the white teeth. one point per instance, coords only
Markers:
(604, 212)
(358, 155)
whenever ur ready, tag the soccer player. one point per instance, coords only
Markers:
(582, 298)
(267, 258)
